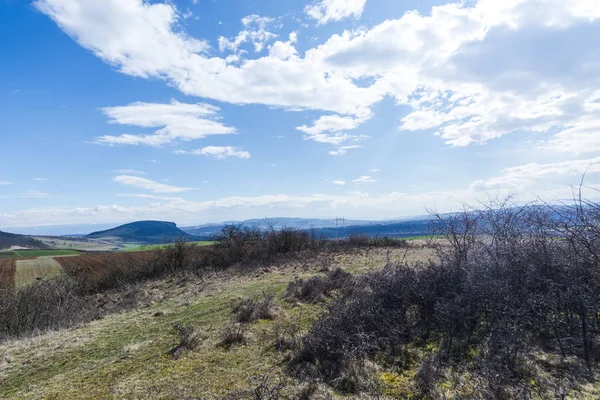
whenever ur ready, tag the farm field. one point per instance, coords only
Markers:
(45, 253)
(30, 270)
(7, 254)
(7, 273)
(136, 248)
(37, 253)
(77, 244)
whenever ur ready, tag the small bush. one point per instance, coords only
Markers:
(509, 280)
(287, 337)
(46, 304)
(251, 310)
(264, 389)
(189, 339)
(316, 289)
(237, 245)
(235, 333)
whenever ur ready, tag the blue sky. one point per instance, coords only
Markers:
(200, 111)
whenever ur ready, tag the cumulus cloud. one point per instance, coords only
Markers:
(255, 32)
(334, 10)
(147, 184)
(466, 70)
(284, 50)
(218, 152)
(339, 183)
(177, 121)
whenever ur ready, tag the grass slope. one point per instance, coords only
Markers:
(125, 356)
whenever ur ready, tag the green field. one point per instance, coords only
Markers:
(135, 247)
(42, 253)
(8, 254)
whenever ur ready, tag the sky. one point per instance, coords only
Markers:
(198, 111)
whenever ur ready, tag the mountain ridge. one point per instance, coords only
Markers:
(154, 232)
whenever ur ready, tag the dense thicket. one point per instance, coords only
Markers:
(509, 282)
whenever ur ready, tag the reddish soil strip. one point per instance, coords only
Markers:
(8, 267)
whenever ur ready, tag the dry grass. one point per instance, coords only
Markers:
(125, 356)
(28, 271)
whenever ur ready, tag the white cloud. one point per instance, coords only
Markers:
(255, 32)
(525, 176)
(352, 204)
(5, 183)
(582, 137)
(339, 183)
(177, 121)
(340, 151)
(218, 152)
(364, 179)
(465, 70)
(374, 170)
(130, 172)
(151, 196)
(147, 184)
(331, 123)
(284, 50)
(331, 129)
(334, 10)
(40, 179)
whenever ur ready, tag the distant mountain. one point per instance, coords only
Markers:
(61, 230)
(154, 232)
(7, 240)
(275, 223)
(329, 228)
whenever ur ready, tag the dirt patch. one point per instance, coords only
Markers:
(7, 273)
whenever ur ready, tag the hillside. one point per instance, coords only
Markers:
(416, 226)
(155, 232)
(7, 240)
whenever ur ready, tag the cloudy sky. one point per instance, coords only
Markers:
(207, 110)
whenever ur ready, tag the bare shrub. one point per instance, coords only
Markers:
(287, 337)
(235, 333)
(316, 288)
(251, 310)
(237, 245)
(46, 304)
(509, 280)
(189, 339)
(263, 389)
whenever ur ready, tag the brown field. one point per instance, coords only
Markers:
(30, 270)
(7, 273)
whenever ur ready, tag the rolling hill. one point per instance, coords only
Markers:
(7, 240)
(408, 227)
(154, 232)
